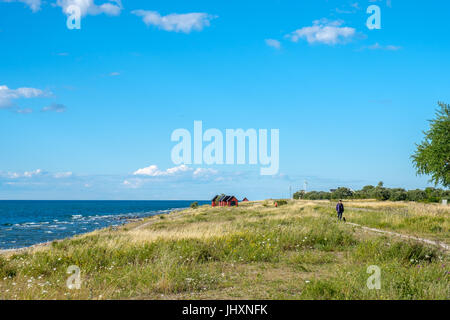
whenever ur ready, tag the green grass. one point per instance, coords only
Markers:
(422, 220)
(256, 251)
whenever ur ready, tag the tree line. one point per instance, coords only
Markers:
(379, 192)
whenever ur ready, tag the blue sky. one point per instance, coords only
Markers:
(81, 111)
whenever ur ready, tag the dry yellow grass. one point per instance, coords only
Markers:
(297, 250)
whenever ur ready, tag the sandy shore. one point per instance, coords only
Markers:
(23, 249)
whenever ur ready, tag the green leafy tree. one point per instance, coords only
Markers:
(342, 193)
(398, 194)
(368, 188)
(299, 194)
(367, 192)
(317, 195)
(432, 156)
(382, 193)
(416, 195)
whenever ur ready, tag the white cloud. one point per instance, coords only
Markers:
(176, 170)
(133, 183)
(392, 47)
(187, 174)
(273, 43)
(388, 2)
(26, 174)
(11, 175)
(377, 46)
(35, 5)
(55, 107)
(88, 7)
(148, 171)
(201, 172)
(153, 171)
(23, 111)
(36, 173)
(114, 74)
(348, 8)
(61, 175)
(176, 22)
(30, 174)
(7, 97)
(323, 31)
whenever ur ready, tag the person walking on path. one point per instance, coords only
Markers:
(340, 209)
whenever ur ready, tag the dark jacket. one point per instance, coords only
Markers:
(340, 208)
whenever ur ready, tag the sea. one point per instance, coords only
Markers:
(25, 223)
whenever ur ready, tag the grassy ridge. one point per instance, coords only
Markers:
(297, 251)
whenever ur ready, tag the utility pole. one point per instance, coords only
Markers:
(305, 185)
(290, 192)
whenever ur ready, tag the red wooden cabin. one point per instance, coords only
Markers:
(213, 201)
(225, 201)
(231, 201)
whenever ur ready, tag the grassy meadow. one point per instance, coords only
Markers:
(256, 251)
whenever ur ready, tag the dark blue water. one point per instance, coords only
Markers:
(24, 223)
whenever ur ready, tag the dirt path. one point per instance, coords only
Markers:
(442, 245)
(143, 225)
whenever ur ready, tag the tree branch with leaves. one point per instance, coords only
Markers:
(432, 156)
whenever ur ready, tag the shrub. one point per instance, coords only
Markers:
(281, 202)
(194, 205)
(6, 270)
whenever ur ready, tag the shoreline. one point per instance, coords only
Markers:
(247, 252)
(47, 243)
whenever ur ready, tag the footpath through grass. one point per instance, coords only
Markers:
(255, 251)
